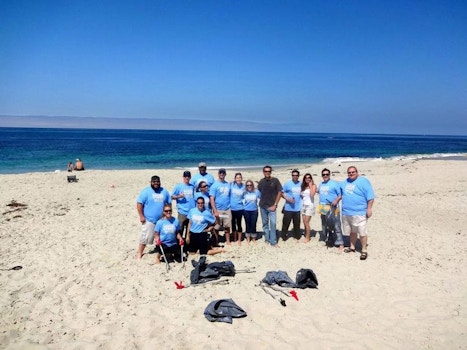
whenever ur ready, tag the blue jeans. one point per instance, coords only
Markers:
(337, 229)
(269, 225)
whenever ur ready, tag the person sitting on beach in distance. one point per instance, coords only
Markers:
(308, 191)
(293, 206)
(79, 165)
(219, 195)
(183, 194)
(200, 225)
(271, 192)
(250, 212)
(70, 167)
(330, 194)
(237, 190)
(150, 204)
(357, 207)
(167, 233)
(202, 176)
(203, 192)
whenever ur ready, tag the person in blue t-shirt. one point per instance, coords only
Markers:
(183, 194)
(219, 194)
(149, 205)
(203, 175)
(291, 192)
(203, 191)
(237, 190)
(200, 225)
(167, 234)
(329, 197)
(251, 197)
(357, 207)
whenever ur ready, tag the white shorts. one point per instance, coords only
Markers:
(147, 233)
(308, 210)
(355, 223)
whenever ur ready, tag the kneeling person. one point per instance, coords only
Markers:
(167, 234)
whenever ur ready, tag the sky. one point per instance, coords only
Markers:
(313, 66)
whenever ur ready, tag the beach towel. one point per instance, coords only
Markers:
(223, 310)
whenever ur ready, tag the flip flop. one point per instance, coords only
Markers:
(348, 250)
(363, 256)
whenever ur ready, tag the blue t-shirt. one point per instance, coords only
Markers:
(153, 202)
(221, 193)
(197, 178)
(186, 203)
(251, 200)
(199, 220)
(207, 204)
(328, 191)
(355, 196)
(236, 196)
(293, 190)
(168, 230)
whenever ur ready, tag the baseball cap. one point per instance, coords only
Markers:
(202, 164)
(186, 173)
(222, 171)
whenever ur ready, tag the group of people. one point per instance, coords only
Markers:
(78, 166)
(205, 206)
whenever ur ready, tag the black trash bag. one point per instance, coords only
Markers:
(203, 272)
(330, 226)
(223, 310)
(306, 278)
(280, 278)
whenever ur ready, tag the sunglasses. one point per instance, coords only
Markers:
(168, 211)
(200, 203)
(351, 172)
(325, 174)
(203, 186)
(266, 171)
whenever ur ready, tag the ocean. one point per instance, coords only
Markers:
(26, 150)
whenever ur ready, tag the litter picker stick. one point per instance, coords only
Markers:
(281, 301)
(167, 267)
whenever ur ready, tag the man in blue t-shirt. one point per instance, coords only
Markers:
(219, 195)
(329, 198)
(183, 194)
(203, 175)
(357, 208)
(149, 205)
(293, 205)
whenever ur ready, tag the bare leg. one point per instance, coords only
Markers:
(364, 241)
(216, 250)
(353, 240)
(227, 236)
(306, 223)
(158, 258)
(141, 247)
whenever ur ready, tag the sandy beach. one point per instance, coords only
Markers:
(82, 288)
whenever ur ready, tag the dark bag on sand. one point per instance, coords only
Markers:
(203, 272)
(306, 278)
(223, 310)
(280, 278)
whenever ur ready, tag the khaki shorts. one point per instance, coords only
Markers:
(355, 223)
(147, 233)
(224, 220)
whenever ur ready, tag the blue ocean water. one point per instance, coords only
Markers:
(31, 149)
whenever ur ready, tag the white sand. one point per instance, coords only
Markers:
(82, 288)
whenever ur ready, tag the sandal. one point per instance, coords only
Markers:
(349, 250)
(363, 256)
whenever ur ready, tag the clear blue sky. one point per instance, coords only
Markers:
(317, 66)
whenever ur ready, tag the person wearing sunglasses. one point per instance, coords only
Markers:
(308, 191)
(329, 198)
(293, 206)
(357, 207)
(149, 205)
(271, 192)
(183, 194)
(203, 191)
(251, 198)
(167, 233)
(201, 223)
